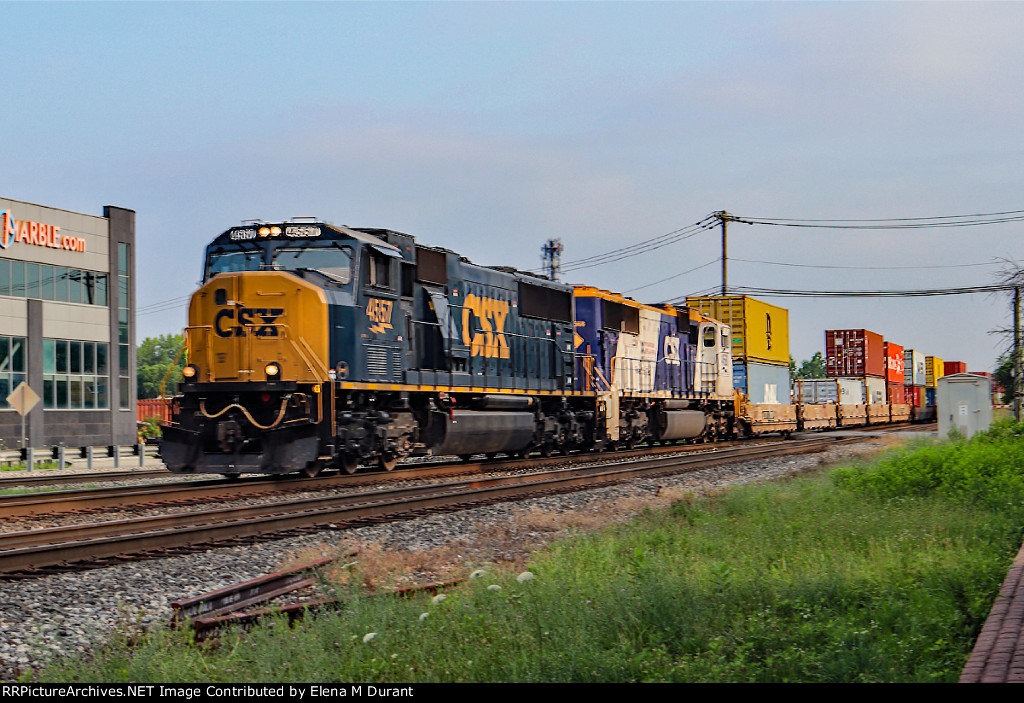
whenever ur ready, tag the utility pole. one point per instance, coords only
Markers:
(552, 256)
(1016, 356)
(723, 218)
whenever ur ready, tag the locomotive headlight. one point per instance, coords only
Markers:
(272, 370)
(189, 372)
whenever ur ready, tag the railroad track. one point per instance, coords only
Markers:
(39, 552)
(52, 477)
(192, 491)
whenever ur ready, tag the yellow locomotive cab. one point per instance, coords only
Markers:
(258, 326)
(257, 348)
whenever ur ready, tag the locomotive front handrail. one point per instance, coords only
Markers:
(208, 348)
(708, 373)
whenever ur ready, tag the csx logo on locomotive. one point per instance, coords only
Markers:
(489, 342)
(257, 322)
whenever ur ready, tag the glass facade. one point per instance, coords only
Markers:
(12, 366)
(65, 285)
(66, 325)
(76, 375)
(123, 336)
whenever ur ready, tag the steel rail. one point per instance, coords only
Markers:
(344, 511)
(50, 477)
(151, 495)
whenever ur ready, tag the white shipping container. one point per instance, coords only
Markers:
(875, 390)
(913, 368)
(852, 391)
(816, 391)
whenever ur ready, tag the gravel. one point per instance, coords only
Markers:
(66, 614)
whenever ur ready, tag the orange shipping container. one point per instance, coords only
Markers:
(897, 394)
(894, 363)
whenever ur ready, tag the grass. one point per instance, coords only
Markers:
(21, 465)
(881, 572)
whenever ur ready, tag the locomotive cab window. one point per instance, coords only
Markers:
(335, 262)
(224, 260)
(709, 336)
(379, 268)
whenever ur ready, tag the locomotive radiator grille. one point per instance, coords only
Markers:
(377, 361)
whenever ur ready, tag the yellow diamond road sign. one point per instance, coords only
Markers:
(23, 399)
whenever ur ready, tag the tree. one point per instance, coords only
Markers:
(813, 368)
(1003, 376)
(157, 359)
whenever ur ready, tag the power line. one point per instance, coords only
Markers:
(792, 293)
(891, 223)
(641, 247)
(162, 306)
(696, 268)
(864, 268)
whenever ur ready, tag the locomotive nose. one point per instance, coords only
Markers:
(245, 326)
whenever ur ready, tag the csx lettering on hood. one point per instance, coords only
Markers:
(259, 322)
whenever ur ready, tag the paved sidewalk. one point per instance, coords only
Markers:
(998, 655)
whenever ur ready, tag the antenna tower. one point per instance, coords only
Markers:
(552, 257)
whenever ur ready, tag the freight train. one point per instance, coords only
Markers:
(313, 346)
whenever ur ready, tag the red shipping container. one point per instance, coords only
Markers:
(913, 395)
(951, 367)
(897, 394)
(854, 353)
(894, 364)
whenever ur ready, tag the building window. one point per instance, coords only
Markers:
(64, 285)
(123, 333)
(76, 375)
(12, 366)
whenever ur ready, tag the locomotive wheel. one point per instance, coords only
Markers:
(348, 463)
(312, 469)
(387, 461)
(546, 450)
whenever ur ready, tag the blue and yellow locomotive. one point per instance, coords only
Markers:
(312, 345)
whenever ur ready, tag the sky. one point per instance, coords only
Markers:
(490, 127)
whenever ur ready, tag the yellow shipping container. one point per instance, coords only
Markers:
(933, 371)
(760, 332)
